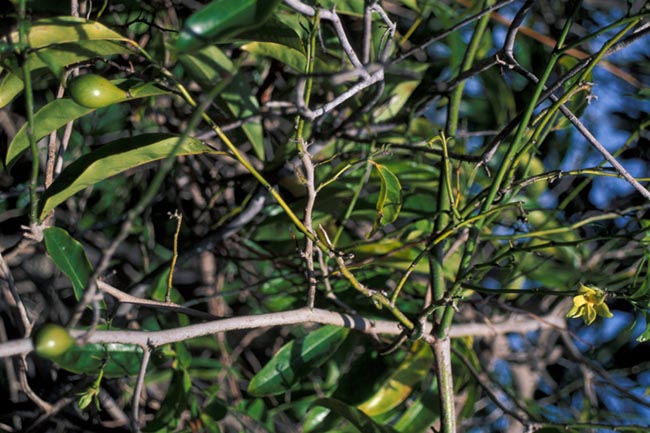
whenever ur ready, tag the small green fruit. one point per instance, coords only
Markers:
(52, 341)
(94, 91)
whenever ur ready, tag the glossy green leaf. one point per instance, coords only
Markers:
(357, 418)
(69, 256)
(61, 111)
(296, 359)
(119, 359)
(222, 19)
(401, 383)
(389, 201)
(49, 118)
(111, 159)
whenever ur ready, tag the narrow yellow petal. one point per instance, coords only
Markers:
(575, 311)
(589, 315)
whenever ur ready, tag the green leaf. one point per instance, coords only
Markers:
(296, 359)
(389, 201)
(422, 413)
(397, 98)
(57, 57)
(401, 383)
(175, 402)
(275, 30)
(358, 419)
(289, 56)
(242, 103)
(207, 66)
(210, 65)
(61, 111)
(69, 256)
(222, 19)
(61, 30)
(119, 359)
(111, 159)
(10, 86)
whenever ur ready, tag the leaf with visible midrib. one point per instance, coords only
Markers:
(111, 159)
(69, 256)
(296, 359)
(61, 111)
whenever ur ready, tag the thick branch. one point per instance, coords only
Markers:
(517, 323)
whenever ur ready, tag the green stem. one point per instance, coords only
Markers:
(355, 196)
(442, 351)
(23, 35)
(523, 125)
(442, 346)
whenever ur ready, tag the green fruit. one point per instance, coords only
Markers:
(94, 91)
(52, 341)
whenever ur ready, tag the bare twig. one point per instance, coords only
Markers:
(308, 165)
(10, 292)
(150, 303)
(513, 64)
(453, 28)
(306, 112)
(139, 384)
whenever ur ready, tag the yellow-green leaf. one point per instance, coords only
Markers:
(401, 383)
(389, 201)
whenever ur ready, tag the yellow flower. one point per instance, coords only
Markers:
(589, 303)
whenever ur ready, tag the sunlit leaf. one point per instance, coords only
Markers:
(422, 412)
(357, 418)
(60, 30)
(400, 384)
(389, 201)
(291, 57)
